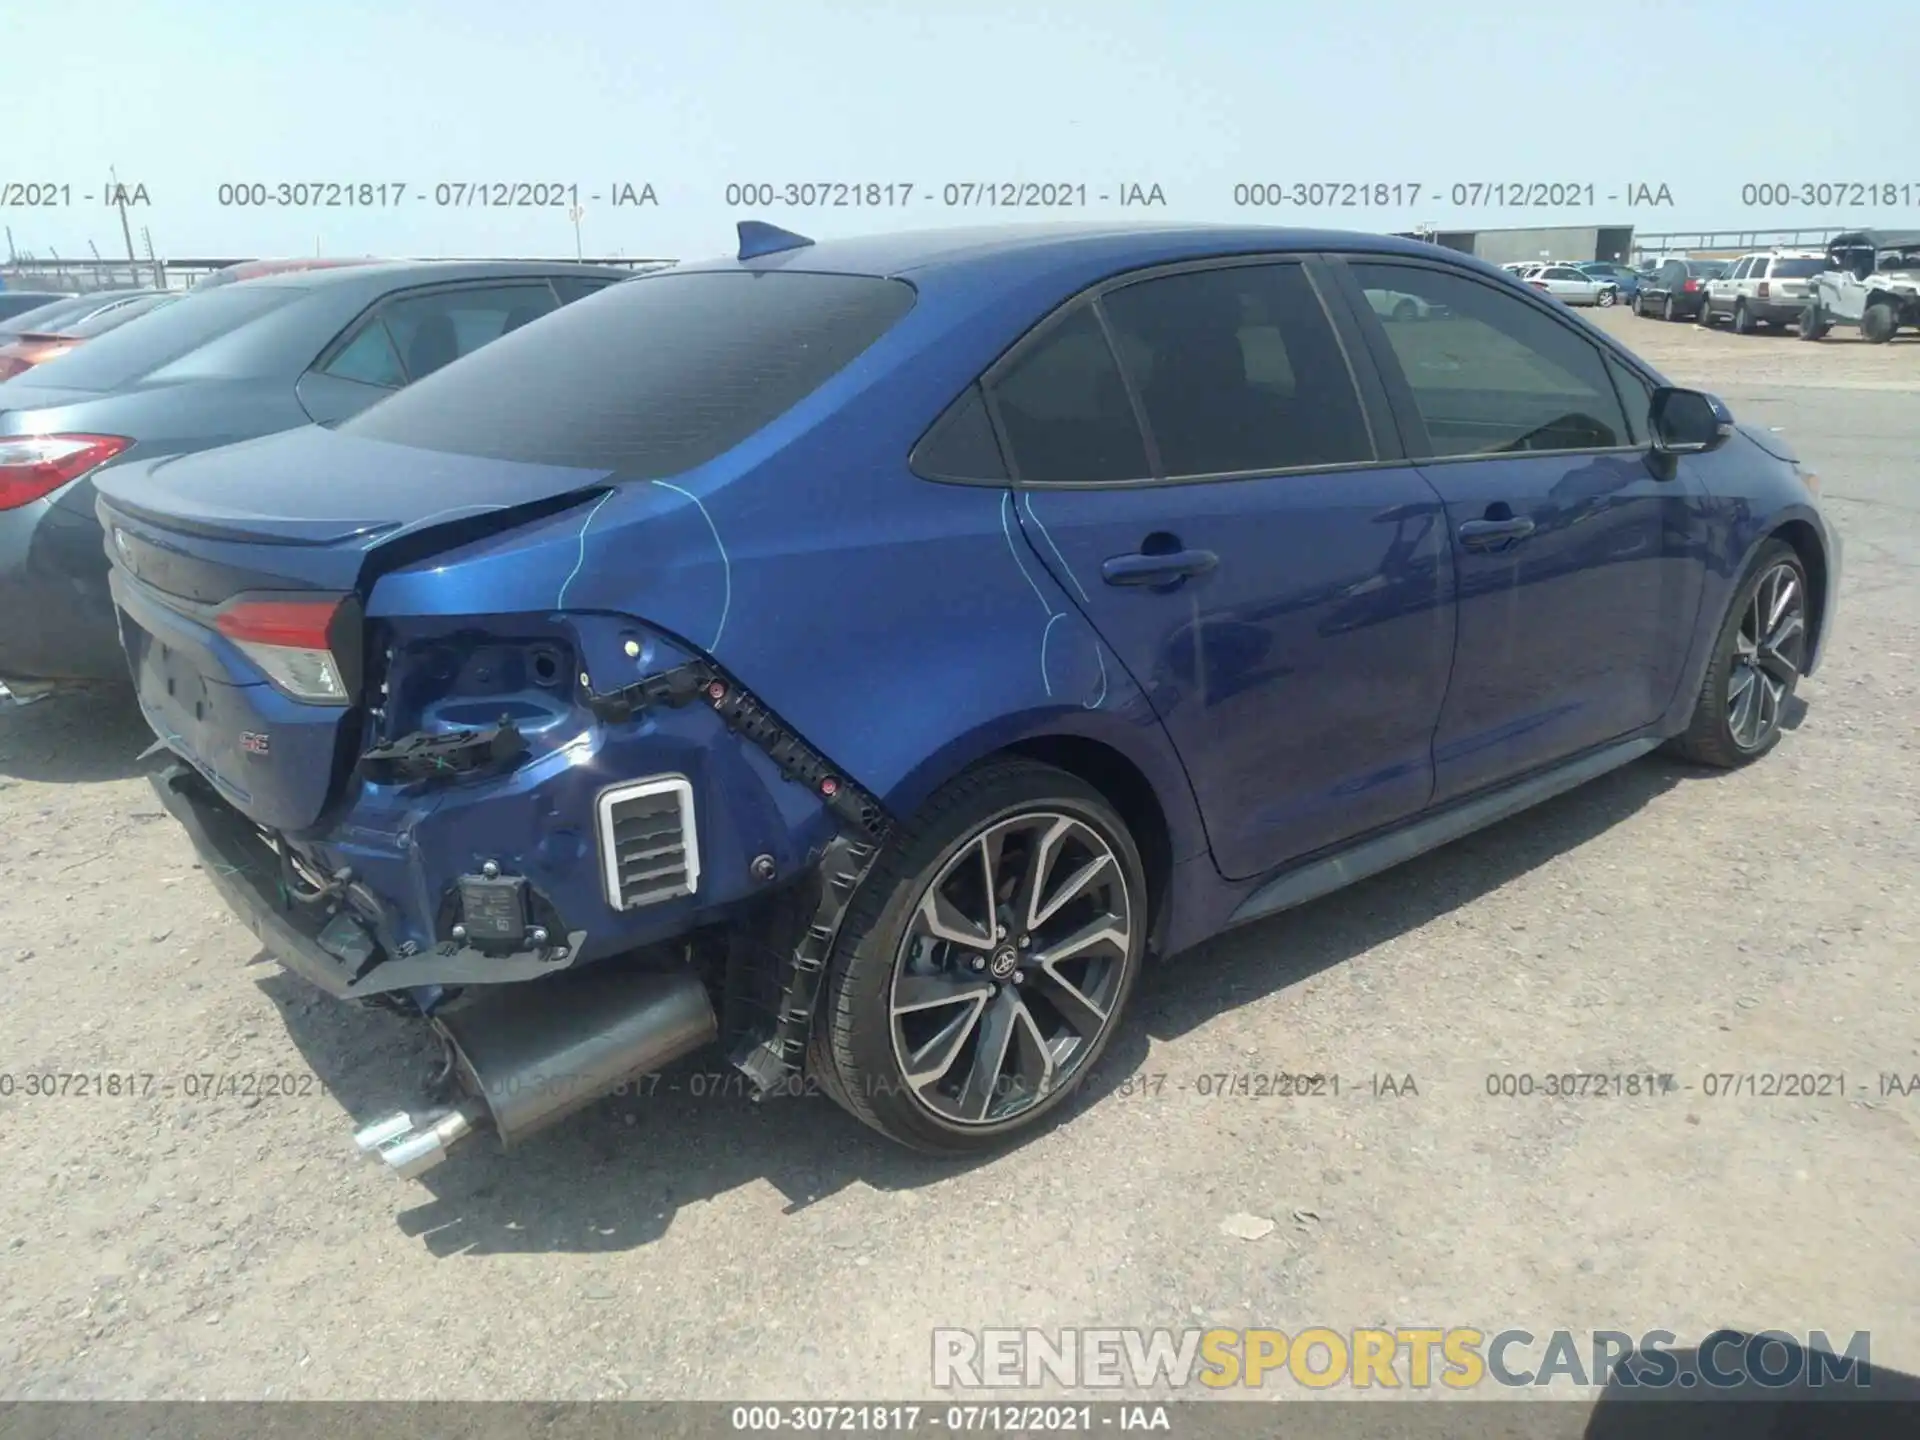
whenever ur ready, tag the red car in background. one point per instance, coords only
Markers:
(48, 339)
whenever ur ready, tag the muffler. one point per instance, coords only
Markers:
(536, 1053)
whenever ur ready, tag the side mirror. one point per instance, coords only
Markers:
(1688, 422)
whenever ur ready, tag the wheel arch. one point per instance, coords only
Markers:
(1811, 549)
(1128, 760)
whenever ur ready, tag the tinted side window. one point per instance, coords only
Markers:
(369, 358)
(575, 287)
(1238, 370)
(437, 328)
(1636, 394)
(1065, 411)
(1493, 375)
(961, 444)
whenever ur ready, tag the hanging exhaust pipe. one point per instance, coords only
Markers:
(530, 1058)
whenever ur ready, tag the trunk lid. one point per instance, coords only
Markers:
(304, 515)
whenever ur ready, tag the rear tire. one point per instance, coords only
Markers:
(1755, 669)
(1605, 298)
(1742, 319)
(1879, 323)
(1668, 311)
(918, 997)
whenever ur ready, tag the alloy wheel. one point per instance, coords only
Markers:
(1767, 653)
(1010, 968)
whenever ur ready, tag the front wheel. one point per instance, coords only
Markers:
(986, 961)
(1756, 664)
(1812, 324)
(1878, 323)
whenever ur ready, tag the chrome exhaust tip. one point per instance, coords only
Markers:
(525, 1066)
(418, 1151)
(370, 1139)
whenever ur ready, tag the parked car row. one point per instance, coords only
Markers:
(124, 377)
(605, 675)
(1868, 280)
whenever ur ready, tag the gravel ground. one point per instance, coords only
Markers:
(159, 1245)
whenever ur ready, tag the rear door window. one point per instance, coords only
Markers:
(1064, 408)
(435, 329)
(660, 374)
(368, 358)
(577, 287)
(1239, 371)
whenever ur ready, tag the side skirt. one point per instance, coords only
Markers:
(1382, 852)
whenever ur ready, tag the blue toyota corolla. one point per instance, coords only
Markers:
(862, 654)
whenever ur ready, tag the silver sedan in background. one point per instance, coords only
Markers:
(1574, 287)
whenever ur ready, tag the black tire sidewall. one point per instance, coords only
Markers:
(1714, 691)
(857, 1023)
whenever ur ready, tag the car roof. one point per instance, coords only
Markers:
(1878, 239)
(1042, 251)
(381, 275)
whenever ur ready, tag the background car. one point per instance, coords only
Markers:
(1677, 288)
(56, 315)
(259, 269)
(239, 360)
(1624, 277)
(1396, 305)
(1765, 288)
(1572, 286)
(17, 302)
(41, 344)
(1260, 596)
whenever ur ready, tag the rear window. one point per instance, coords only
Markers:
(132, 352)
(1706, 269)
(650, 377)
(119, 315)
(50, 317)
(1796, 269)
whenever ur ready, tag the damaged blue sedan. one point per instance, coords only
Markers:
(859, 656)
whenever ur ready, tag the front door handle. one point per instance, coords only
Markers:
(1495, 534)
(1171, 568)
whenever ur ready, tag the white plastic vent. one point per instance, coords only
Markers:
(649, 847)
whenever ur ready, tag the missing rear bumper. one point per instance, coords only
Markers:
(327, 944)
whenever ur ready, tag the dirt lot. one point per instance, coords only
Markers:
(167, 1245)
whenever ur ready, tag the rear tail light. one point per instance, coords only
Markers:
(1538, 284)
(1763, 292)
(1691, 286)
(292, 641)
(32, 466)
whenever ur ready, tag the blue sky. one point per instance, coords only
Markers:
(1195, 97)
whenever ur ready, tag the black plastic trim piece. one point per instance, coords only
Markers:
(425, 755)
(773, 1060)
(742, 713)
(1370, 856)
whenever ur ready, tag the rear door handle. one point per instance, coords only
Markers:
(1495, 534)
(1138, 569)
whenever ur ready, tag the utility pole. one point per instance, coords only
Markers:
(13, 256)
(126, 229)
(576, 214)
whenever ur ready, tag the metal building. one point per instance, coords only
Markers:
(1555, 242)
